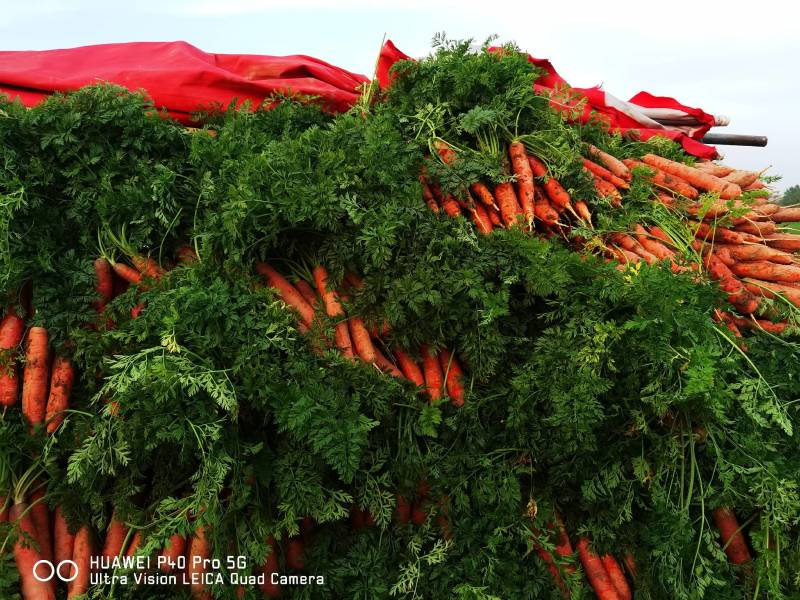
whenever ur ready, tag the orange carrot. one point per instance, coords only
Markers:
(628, 243)
(547, 558)
(732, 539)
(419, 514)
(769, 326)
(105, 281)
(759, 229)
(507, 201)
(362, 342)
(483, 193)
(607, 190)
(81, 556)
(34, 379)
(661, 235)
(307, 292)
(385, 365)
(268, 588)
(186, 255)
(494, 217)
(148, 267)
(721, 234)
(542, 208)
(583, 211)
(63, 540)
(26, 556)
(714, 168)
(454, 377)
(742, 178)
(481, 219)
(40, 515)
(617, 577)
(334, 310)
(603, 173)
(662, 179)
(115, 538)
(427, 195)
(767, 271)
(787, 215)
(522, 170)
(169, 555)
(133, 546)
(433, 373)
(409, 368)
(757, 252)
(630, 564)
(651, 245)
(694, 177)
(127, 273)
(616, 166)
(199, 551)
(11, 330)
(789, 242)
(450, 206)
(60, 388)
(557, 195)
(287, 292)
(596, 572)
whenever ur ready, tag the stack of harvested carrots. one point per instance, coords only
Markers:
(739, 239)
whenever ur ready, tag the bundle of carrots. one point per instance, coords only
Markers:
(440, 371)
(739, 239)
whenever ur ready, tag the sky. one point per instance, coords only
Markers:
(734, 58)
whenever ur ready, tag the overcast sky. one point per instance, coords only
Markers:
(732, 58)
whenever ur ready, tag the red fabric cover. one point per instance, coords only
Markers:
(176, 75)
(389, 55)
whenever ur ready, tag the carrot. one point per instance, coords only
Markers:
(522, 170)
(659, 233)
(454, 377)
(542, 208)
(651, 245)
(82, 557)
(603, 173)
(596, 572)
(334, 310)
(784, 241)
(769, 326)
(607, 190)
(583, 211)
(694, 177)
(63, 540)
(127, 273)
(40, 515)
(433, 373)
(287, 292)
(481, 219)
(186, 255)
(409, 368)
(628, 243)
(11, 330)
(756, 185)
(740, 297)
(450, 206)
(760, 229)
(359, 334)
(385, 365)
(557, 195)
(769, 289)
(616, 166)
(630, 564)
(787, 215)
(169, 555)
(547, 558)
(34, 379)
(494, 216)
(742, 178)
(133, 546)
(26, 556)
(60, 387)
(714, 168)
(757, 252)
(483, 193)
(105, 280)
(428, 196)
(767, 271)
(721, 234)
(418, 514)
(148, 267)
(269, 589)
(665, 180)
(724, 255)
(732, 539)
(294, 554)
(402, 510)
(199, 552)
(307, 292)
(617, 577)
(115, 538)
(767, 209)
(507, 202)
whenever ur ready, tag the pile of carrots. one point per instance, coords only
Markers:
(440, 371)
(750, 256)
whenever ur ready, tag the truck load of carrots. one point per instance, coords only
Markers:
(448, 343)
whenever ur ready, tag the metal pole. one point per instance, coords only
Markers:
(733, 139)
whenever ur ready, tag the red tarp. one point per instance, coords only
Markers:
(184, 79)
